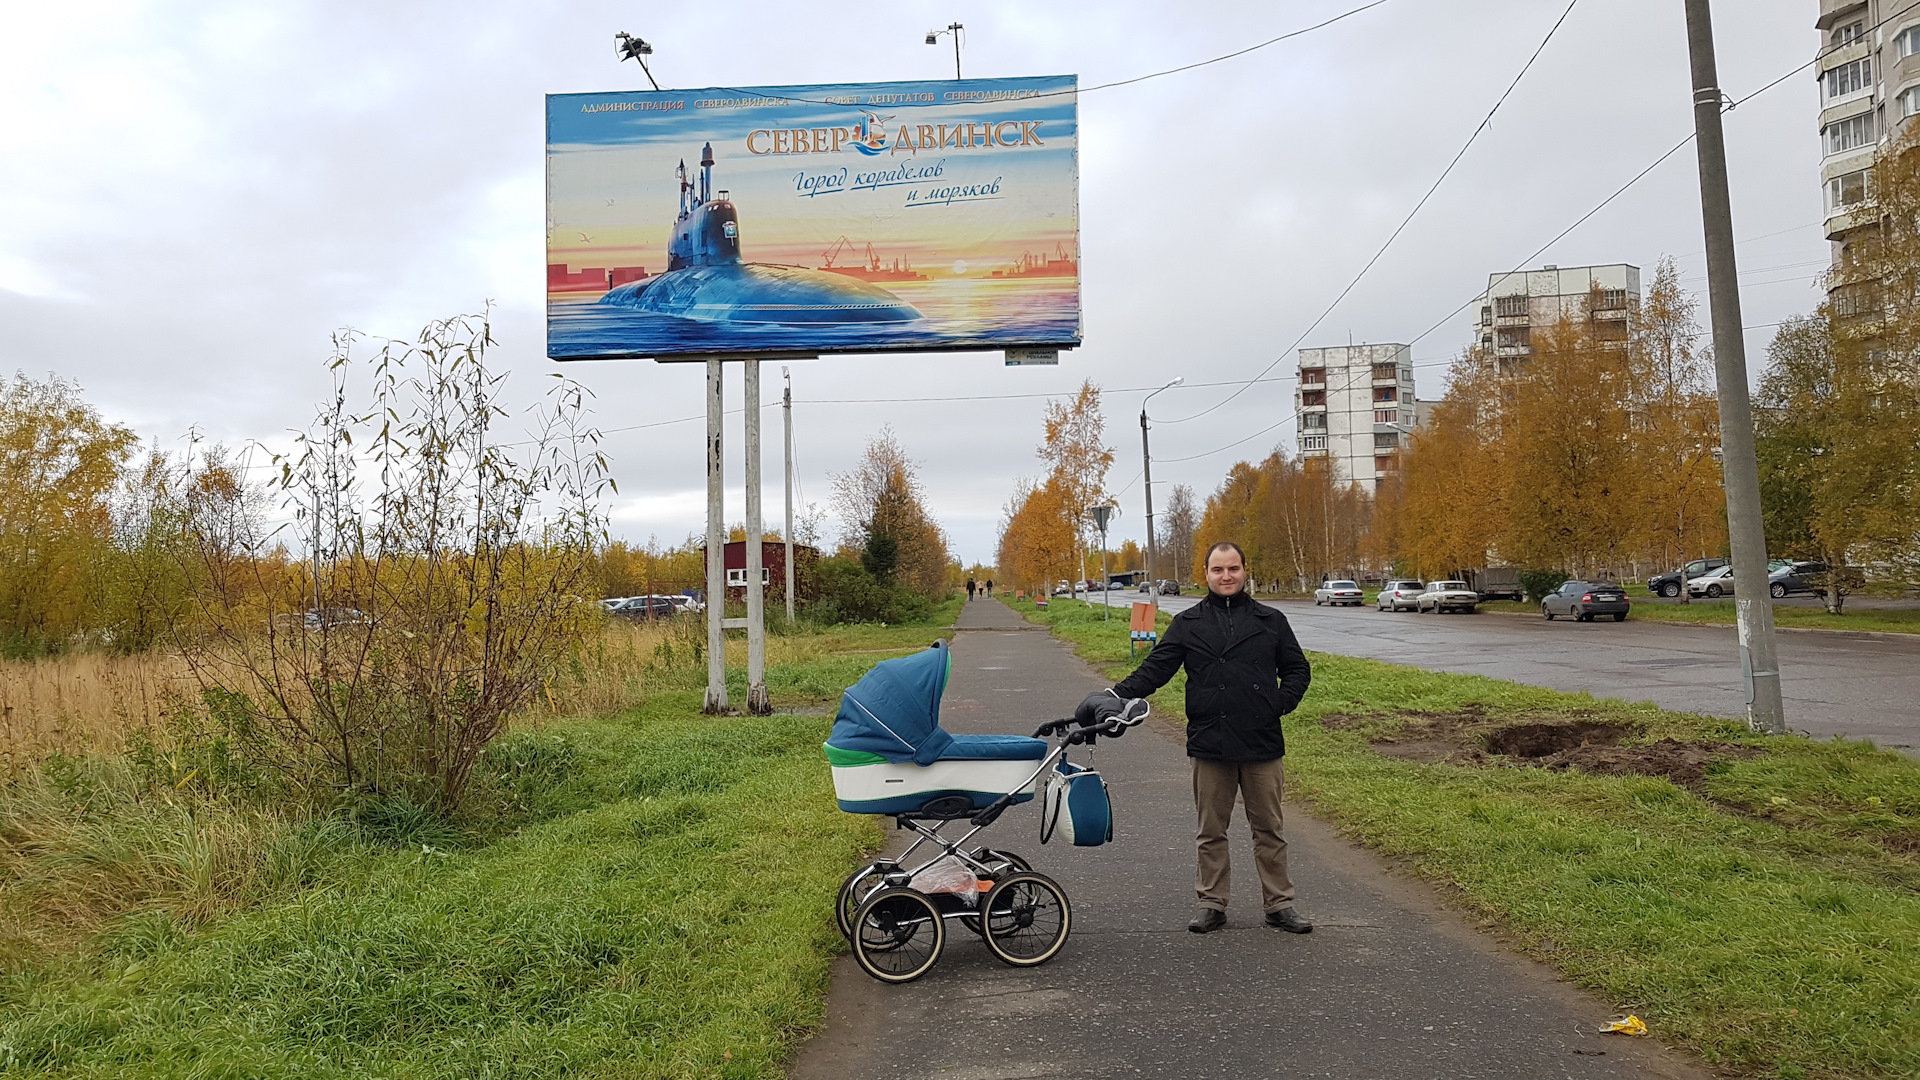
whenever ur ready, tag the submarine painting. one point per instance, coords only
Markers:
(802, 220)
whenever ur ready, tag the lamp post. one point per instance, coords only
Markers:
(1146, 477)
(933, 38)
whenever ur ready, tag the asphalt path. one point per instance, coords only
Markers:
(1862, 686)
(1391, 983)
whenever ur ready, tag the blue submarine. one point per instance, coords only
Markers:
(707, 280)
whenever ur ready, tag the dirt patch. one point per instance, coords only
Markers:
(1546, 740)
(1902, 843)
(1684, 763)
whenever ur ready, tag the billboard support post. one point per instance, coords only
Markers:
(786, 408)
(757, 702)
(716, 547)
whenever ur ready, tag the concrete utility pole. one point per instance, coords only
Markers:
(757, 702)
(716, 546)
(1146, 477)
(1101, 515)
(1741, 472)
(786, 407)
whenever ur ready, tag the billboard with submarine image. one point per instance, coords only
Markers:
(813, 219)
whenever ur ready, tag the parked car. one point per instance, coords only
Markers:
(1800, 577)
(1716, 583)
(1336, 593)
(1444, 596)
(1582, 600)
(1668, 585)
(1398, 594)
(328, 617)
(647, 607)
(613, 602)
(1169, 587)
(1063, 587)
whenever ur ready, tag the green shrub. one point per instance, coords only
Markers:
(1538, 583)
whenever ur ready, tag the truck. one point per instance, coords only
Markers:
(1496, 583)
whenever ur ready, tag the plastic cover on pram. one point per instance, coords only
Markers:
(890, 755)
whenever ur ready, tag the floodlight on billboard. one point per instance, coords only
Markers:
(806, 220)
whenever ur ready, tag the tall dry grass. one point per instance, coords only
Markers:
(84, 703)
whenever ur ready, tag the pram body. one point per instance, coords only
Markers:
(890, 756)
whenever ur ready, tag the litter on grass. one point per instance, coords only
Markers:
(1624, 1025)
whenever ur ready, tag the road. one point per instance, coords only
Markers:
(1857, 685)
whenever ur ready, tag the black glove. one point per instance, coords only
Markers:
(1104, 705)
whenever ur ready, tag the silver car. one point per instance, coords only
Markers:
(1400, 594)
(1444, 596)
(1335, 593)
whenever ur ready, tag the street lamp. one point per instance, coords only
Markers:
(633, 48)
(1146, 475)
(933, 38)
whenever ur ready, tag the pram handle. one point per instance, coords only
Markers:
(1130, 715)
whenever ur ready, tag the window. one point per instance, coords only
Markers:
(1406, 374)
(1506, 306)
(1312, 376)
(1850, 134)
(739, 577)
(1908, 40)
(1847, 189)
(1855, 299)
(1313, 421)
(1848, 34)
(1386, 416)
(1850, 78)
(1610, 329)
(1611, 300)
(1386, 440)
(1513, 337)
(1384, 371)
(1313, 442)
(1908, 102)
(1486, 315)
(1386, 463)
(1313, 397)
(1385, 393)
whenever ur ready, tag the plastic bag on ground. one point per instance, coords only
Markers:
(1626, 1025)
(949, 875)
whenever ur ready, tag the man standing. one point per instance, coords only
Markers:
(969, 588)
(989, 588)
(1245, 670)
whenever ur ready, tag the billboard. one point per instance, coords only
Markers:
(813, 219)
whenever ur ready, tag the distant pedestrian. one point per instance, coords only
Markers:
(969, 589)
(989, 588)
(1245, 670)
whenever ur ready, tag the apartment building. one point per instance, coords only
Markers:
(1355, 406)
(1519, 304)
(1868, 68)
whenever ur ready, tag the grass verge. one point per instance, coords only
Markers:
(650, 896)
(1720, 613)
(1761, 909)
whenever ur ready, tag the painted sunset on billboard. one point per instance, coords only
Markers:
(810, 219)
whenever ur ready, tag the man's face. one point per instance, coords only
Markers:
(1225, 575)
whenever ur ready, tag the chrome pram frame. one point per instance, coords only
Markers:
(898, 932)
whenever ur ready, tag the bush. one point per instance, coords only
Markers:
(1538, 583)
(850, 593)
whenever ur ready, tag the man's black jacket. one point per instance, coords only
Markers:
(1245, 671)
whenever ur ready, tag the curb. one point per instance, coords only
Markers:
(1872, 635)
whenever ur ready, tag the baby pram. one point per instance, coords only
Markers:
(890, 756)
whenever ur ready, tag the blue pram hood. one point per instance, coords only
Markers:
(894, 710)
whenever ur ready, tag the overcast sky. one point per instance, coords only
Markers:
(193, 195)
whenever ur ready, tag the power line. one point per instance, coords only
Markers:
(1100, 86)
(1408, 220)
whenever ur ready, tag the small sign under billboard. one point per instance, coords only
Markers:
(813, 219)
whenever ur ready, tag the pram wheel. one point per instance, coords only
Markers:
(1026, 919)
(852, 892)
(898, 935)
(990, 857)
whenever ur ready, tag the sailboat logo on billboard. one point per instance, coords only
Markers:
(963, 236)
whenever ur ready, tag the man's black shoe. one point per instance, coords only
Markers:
(1289, 920)
(1207, 920)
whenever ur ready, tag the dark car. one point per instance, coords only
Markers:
(1669, 585)
(1582, 600)
(647, 607)
(1800, 577)
(1169, 587)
